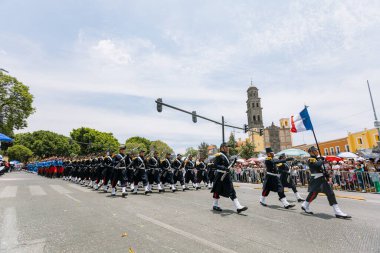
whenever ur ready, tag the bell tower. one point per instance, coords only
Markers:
(254, 109)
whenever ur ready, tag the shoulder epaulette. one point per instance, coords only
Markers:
(218, 154)
(268, 158)
(312, 160)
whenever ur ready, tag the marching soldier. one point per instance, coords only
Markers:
(286, 179)
(139, 163)
(211, 174)
(223, 181)
(202, 174)
(319, 183)
(98, 173)
(154, 172)
(119, 172)
(167, 173)
(177, 173)
(189, 171)
(272, 180)
(107, 172)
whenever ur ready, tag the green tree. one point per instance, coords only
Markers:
(191, 151)
(247, 150)
(19, 153)
(15, 104)
(139, 140)
(161, 147)
(134, 147)
(46, 143)
(232, 144)
(94, 141)
(203, 150)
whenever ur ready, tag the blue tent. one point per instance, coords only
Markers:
(5, 138)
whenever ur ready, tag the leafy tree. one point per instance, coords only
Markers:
(161, 147)
(203, 149)
(94, 141)
(139, 140)
(232, 144)
(247, 150)
(46, 143)
(134, 147)
(15, 104)
(191, 151)
(19, 153)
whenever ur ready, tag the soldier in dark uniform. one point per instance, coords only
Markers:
(98, 173)
(211, 174)
(286, 179)
(202, 174)
(107, 172)
(272, 180)
(119, 172)
(223, 181)
(139, 163)
(177, 172)
(189, 171)
(319, 183)
(154, 170)
(130, 170)
(167, 173)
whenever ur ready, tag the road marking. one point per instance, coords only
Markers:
(186, 234)
(9, 192)
(9, 233)
(36, 190)
(9, 236)
(72, 198)
(60, 189)
(80, 188)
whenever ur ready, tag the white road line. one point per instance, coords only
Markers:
(186, 234)
(79, 188)
(36, 190)
(60, 189)
(72, 198)
(9, 192)
(9, 233)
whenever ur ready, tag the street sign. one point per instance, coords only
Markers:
(377, 124)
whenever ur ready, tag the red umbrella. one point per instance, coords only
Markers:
(332, 158)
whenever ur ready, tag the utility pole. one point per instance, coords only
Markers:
(223, 130)
(377, 123)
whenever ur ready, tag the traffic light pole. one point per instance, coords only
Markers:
(194, 115)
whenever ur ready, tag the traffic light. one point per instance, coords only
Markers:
(159, 104)
(245, 128)
(261, 131)
(194, 114)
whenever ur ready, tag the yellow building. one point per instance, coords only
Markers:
(258, 141)
(363, 140)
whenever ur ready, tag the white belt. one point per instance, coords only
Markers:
(221, 171)
(273, 174)
(317, 175)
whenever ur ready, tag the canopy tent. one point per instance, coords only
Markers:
(293, 152)
(348, 155)
(5, 138)
(332, 158)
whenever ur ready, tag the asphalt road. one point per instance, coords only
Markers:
(51, 215)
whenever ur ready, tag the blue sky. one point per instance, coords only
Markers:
(102, 64)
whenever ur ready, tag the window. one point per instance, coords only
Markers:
(360, 140)
(254, 118)
(257, 105)
(347, 148)
(286, 123)
(326, 151)
(332, 151)
(337, 148)
(253, 105)
(377, 137)
(258, 118)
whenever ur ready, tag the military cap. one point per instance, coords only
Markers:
(269, 150)
(311, 149)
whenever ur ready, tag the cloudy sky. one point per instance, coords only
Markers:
(102, 64)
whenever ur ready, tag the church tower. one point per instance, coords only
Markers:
(254, 109)
(255, 118)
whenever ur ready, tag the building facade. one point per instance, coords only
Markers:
(365, 139)
(278, 138)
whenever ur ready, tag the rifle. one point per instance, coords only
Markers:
(230, 166)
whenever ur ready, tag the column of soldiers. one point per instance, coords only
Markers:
(104, 172)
